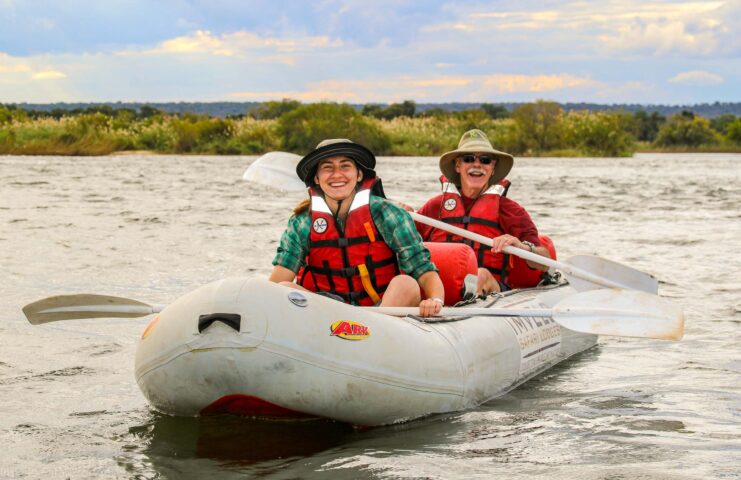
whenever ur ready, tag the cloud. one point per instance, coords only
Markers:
(235, 44)
(441, 88)
(661, 39)
(9, 64)
(650, 28)
(22, 73)
(697, 78)
(347, 50)
(534, 83)
(48, 75)
(698, 29)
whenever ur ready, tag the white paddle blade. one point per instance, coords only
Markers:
(277, 170)
(69, 307)
(619, 273)
(621, 313)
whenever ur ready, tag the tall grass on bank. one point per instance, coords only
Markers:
(540, 128)
(98, 134)
(433, 135)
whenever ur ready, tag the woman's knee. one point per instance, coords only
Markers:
(404, 286)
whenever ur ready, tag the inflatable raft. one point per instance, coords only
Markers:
(252, 347)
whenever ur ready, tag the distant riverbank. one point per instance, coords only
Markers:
(537, 129)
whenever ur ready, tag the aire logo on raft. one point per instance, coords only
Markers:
(349, 330)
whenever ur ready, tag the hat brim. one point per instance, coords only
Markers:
(364, 159)
(501, 169)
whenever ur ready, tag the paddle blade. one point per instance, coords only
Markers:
(68, 307)
(627, 277)
(277, 170)
(623, 313)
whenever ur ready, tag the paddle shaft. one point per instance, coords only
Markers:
(465, 312)
(133, 310)
(518, 252)
(278, 169)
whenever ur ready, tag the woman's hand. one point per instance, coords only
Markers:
(430, 306)
(434, 291)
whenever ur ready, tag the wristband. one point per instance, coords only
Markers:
(437, 299)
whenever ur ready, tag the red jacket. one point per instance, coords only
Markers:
(500, 215)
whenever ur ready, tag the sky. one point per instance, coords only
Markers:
(370, 51)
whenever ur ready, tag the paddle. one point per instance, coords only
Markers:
(278, 169)
(618, 312)
(86, 305)
(621, 313)
(622, 276)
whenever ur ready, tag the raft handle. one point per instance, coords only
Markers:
(233, 320)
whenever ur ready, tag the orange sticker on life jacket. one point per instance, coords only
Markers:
(369, 231)
(349, 330)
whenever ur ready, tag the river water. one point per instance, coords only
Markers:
(155, 227)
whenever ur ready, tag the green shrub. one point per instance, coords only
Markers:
(539, 126)
(11, 114)
(646, 126)
(721, 122)
(303, 128)
(733, 131)
(686, 131)
(194, 134)
(395, 110)
(272, 110)
(157, 137)
(495, 111)
(250, 136)
(604, 134)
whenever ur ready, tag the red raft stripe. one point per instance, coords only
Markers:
(249, 406)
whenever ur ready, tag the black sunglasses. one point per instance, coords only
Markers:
(484, 159)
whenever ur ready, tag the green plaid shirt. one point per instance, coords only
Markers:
(393, 223)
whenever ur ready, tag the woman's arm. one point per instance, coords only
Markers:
(434, 291)
(281, 274)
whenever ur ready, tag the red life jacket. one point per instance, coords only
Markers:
(519, 273)
(356, 264)
(482, 218)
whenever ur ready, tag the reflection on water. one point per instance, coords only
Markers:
(233, 443)
(153, 228)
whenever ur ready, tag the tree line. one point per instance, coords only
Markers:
(540, 128)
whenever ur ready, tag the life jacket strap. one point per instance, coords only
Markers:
(338, 243)
(367, 284)
(349, 272)
(467, 220)
(337, 272)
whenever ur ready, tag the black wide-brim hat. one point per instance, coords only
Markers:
(333, 147)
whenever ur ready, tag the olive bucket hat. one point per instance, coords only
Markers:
(475, 141)
(333, 147)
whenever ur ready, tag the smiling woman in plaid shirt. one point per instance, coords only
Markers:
(349, 241)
